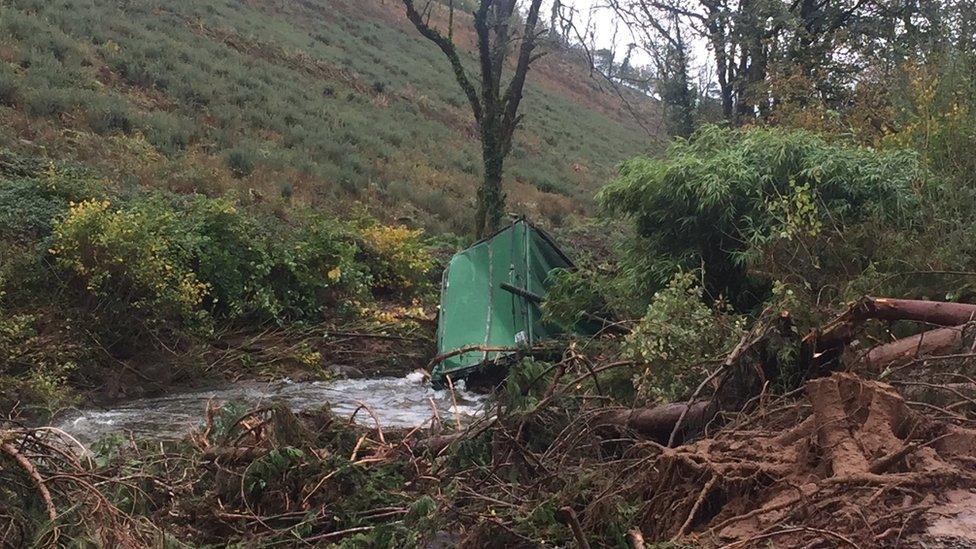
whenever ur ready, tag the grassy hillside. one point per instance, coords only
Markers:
(318, 101)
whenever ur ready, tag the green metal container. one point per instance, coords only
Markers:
(479, 314)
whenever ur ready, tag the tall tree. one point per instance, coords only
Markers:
(495, 106)
(660, 35)
(748, 38)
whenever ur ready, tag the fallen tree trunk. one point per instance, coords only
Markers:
(823, 347)
(942, 341)
(932, 312)
(658, 422)
(846, 325)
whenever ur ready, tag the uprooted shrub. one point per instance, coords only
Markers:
(674, 342)
(751, 206)
(248, 478)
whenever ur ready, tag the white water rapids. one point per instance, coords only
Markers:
(397, 402)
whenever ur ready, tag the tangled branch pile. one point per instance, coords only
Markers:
(841, 460)
(49, 494)
(258, 476)
(871, 447)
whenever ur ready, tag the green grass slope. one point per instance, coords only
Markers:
(321, 101)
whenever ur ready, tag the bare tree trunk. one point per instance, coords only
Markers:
(491, 198)
(723, 65)
(848, 323)
(495, 109)
(658, 422)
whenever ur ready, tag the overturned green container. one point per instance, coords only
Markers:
(490, 300)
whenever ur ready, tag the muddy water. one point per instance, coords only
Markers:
(397, 402)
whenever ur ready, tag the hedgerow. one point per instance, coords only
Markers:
(127, 267)
(177, 261)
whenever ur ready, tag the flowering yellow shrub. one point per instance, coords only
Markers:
(125, 262)
(396, 258)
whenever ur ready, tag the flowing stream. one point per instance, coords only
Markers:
(397, 402)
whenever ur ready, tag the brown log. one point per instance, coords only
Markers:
(824, 346)
(932, 312)
(657, 422)
(885, 308)
(937, 342)
(940, 313)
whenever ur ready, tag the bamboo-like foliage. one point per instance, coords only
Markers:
(720, 199)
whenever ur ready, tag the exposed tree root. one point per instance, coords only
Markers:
(862, 464)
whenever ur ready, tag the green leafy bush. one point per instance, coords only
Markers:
(680, 339)
(10, 87)
(26, 212)
(170, 134)
(109, 116)
(571, 296)
(177, 262)
(397, 259)
(131, 271)
(227, 252)
(242, 161)
(21, 272)
(30, 370)
(757, 204)
(46, 101)
(34, 194)
(313, 267)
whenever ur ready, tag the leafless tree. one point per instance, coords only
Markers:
(494, 103)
